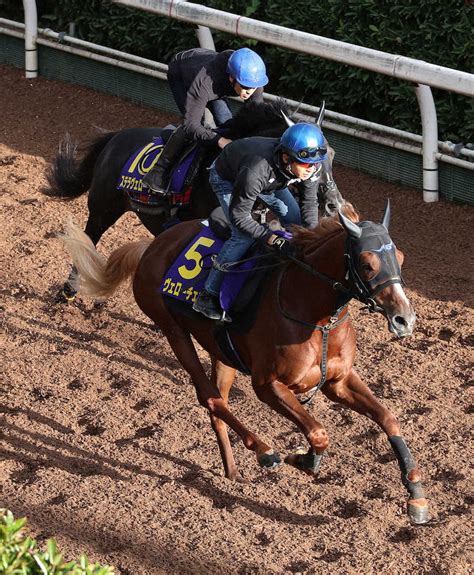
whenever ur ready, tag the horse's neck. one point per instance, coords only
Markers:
(327, 255)
(316, 297)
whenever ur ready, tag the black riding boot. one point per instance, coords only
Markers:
(208, 305)
(155, 179)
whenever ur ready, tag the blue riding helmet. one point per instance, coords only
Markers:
(304, 143)
(247, 68)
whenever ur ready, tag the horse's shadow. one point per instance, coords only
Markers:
(82, 340)
(36, 450)
(119, 545)
(222, 499)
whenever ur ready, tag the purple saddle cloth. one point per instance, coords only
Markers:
(186, 277)
(141, 162)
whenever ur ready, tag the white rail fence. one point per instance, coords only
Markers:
(423, 74)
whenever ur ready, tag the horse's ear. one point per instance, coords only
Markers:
(351, 228)
(288, 121)
(322, 109)
(386, 214)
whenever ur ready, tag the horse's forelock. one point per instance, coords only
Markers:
(350, 212)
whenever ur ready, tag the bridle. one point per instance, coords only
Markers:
(374, 238)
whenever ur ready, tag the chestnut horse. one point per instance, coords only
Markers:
(312, 341)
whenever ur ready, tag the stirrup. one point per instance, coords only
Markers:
(209, 313)
(147, 182)
(224, 317)
(161, 192)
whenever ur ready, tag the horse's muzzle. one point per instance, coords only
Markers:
(397, 309)
(401, 324)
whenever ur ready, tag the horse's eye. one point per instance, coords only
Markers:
(369, 265)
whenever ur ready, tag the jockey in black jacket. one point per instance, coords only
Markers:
(263, 168)
(201, 79)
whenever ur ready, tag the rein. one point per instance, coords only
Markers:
(357, 290)
(226, 268)
(333, 322)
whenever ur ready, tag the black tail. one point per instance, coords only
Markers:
(69, 177)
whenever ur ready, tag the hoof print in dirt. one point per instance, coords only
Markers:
(309, 462)
(269, 460)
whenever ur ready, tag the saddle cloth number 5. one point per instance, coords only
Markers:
(193, 255)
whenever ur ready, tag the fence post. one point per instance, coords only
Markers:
(31, 34)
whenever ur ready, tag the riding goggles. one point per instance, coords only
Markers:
(310, 153)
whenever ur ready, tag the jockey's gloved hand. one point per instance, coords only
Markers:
(285, 234)
(282, 246)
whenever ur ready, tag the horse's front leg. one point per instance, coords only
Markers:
(283, 401)
(354, 393)
(222, 377)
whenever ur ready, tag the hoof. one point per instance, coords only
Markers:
(309, 462)
(65, 295)
(269, 460)
(417, 510)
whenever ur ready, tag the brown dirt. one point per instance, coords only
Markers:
(106, 449)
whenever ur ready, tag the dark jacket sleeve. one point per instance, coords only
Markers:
(198, 96)
(308, 193)
(248, 185)
(257, 96)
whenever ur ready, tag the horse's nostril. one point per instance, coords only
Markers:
(400, 320)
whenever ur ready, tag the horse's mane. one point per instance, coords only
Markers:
(259, 115)
(311, 238)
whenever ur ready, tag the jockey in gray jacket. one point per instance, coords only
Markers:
(263, 168)
(255, 167)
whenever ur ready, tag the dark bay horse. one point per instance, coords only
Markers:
(100, 167)
(311, 342)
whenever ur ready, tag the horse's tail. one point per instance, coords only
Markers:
(69, 177)
(95, 275)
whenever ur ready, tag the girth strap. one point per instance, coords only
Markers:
(226, 345)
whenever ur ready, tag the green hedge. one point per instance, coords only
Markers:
(437, 32)
(20, 555)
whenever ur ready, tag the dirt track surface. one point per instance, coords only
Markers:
(104, 445)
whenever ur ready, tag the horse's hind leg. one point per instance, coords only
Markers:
(354, 393)
(223, 377)
(209, 396)
(102, 216)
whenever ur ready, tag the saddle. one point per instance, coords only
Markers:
(181, 177)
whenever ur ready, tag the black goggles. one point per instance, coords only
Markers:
(311, 153)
